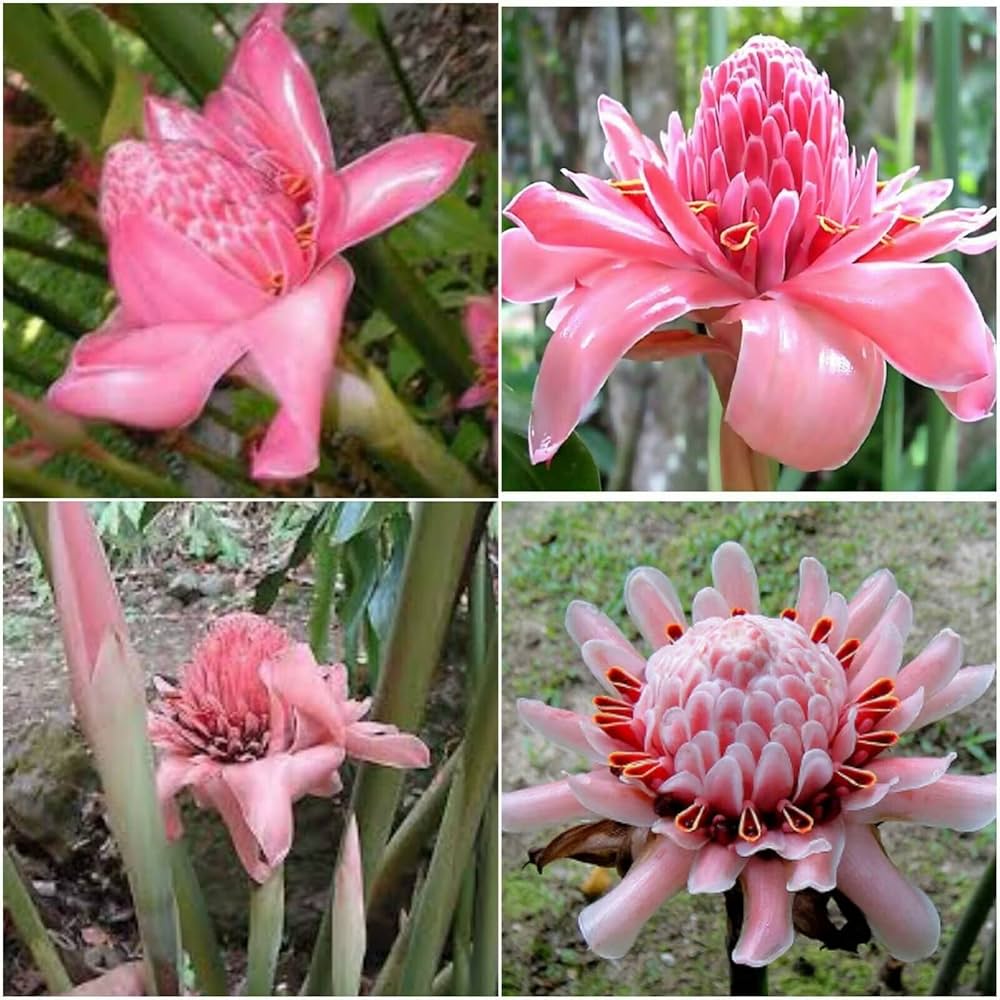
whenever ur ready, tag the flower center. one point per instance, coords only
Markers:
(743, 725)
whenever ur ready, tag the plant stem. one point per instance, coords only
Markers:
(325, 558)
(21, 907)
(892, 430)
(197, 931)
(148, 483)
(23, 480)
(267, 917)
(13, 240)
(966, 933)
(461, 931)
(942, 429)
(363, 405)
(392, 57)
(744, 980)
(487, 925)
(714, 437)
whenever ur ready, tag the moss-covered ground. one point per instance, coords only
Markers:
(943, 555)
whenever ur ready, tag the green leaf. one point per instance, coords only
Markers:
(361, 572)
(572, 469)
(84, 32)
(270, 585)
(365, 16)
(124, 115)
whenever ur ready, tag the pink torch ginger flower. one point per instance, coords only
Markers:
(254, 725)
(762, 224)
(757, 750)
(224, 232)
(481, 328)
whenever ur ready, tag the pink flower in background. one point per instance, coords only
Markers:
(762, 224)
(224, 231)
(757, 750)
(253, 726)
(481, 328)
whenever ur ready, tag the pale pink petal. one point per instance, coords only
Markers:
(602, 793)
(767, 914)
(119, 375)
(163, 277)
(653, 604)
(543, 805)
(867, 605)
(709, 603)
(807, 388)
(978, 398)
(901, 718)
(605, 321)
(735, 577)
(882, 661)
(559, 725)
(611, 925)
(168, 121)
(715, 869)
(819, 871)
(395, 180)
(954, 801)
(382, 743)
(899, 914)
(291, 349)
(216, 793)
(933, 667)
(601, 655)
(922, 316)
(627, 147)
(910, 772)
(968, 685)
(530, 272)
(301, 700)
(814, 592)
(585, 622)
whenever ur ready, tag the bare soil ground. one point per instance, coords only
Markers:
(943, 555)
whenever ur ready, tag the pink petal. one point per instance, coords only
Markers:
(626, 147)
(601, 325)
(883, 661)
(301, 701)
(168, 121)
(382, 743)
(559, 725)
(807, 388)
(611, 925)
(767, 914)
(397, 179)
(602, 793)
(709, 603)
(162, 277)
(601, 655)
(955, 802)
(908, 773)
(819, 871)
(867, 605)
(735, 577)
(922, 316)
(814, 591)
(158, 377)
(977, 399)
(557, 219)
(899, 914)
(585, 622)
(530, 272)
(653, 604)
(216, 793)
(933, 667)
(543, 805)
(268, 68)
(968, 685)
(715, 869)
(291, 349)
(173, 774)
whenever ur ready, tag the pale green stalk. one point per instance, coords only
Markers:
(487, 922)
(325, 558)
(267, 918)
(197, 931)
(971, 923)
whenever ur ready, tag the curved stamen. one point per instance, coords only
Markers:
(275, 284)
(798, 819)
(689, 819)
(736, 612)
(305, 234)
(855, 777)
(821, 629)
(790, 614)
(750, 828)
(846, 650)
(701, 206)
(626, 684)
(738, 237)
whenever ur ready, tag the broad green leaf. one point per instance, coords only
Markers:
(84, 32)
(270, 585)
(124, 115)
(572, 469)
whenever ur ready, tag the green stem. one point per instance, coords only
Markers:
(83, 263)
(966, 933)
(435, 559)
(197, 931)
(714, 437)
(148, 483)
(487, 926)
(363, 405)
(892, 431)
(941, 472)
(744, 980)
(392, 57)
(470, 790)
(461, 931)
(36, 519)
(267, 917)
(718, 34)
(35, 304)
(227, 469)
(21, 907)
(325, 558)
(444, 983)
(23, 480)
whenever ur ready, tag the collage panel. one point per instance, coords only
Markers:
(250, 749)
(250, 250)
(749, 248)
(769, 767)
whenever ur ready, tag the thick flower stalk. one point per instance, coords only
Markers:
(757, 751)
(761, 223)
(225, 230)
(255, 724)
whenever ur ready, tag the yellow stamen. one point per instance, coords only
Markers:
(750, 829)
(738, 237)
(634, 185)
(701, 206)
(305, 235)
(830, 226)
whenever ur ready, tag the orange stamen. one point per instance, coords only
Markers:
(305, 235)
(627, 685)
(738, 237)
(790, 614)
(608, 704)
(275, 284)
(689, 819)
(798, 819)
(847, 649)
(630, 186)
(294, 185)
(750, 828)
(830, 226)
(701, 206)
(674, 631)
(736, 612)
(855, 776)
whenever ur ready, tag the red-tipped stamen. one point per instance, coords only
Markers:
(736, 612)
(855, 777)
(846, 650)
(798, 819)
(790, 614)
(605, 703)
(750, 828)
(305, 235)
(630, 731)
(689, 819)
(294, 185)
(275, 284)
(627, 685)
(822, 628)
(674, 631)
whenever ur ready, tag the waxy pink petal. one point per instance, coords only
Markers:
(530, 272)
(543, 805)
(767, 914)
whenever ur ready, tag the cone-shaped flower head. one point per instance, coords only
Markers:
(757, 749)
(254, 724)
(224, 230)
(762, 223)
